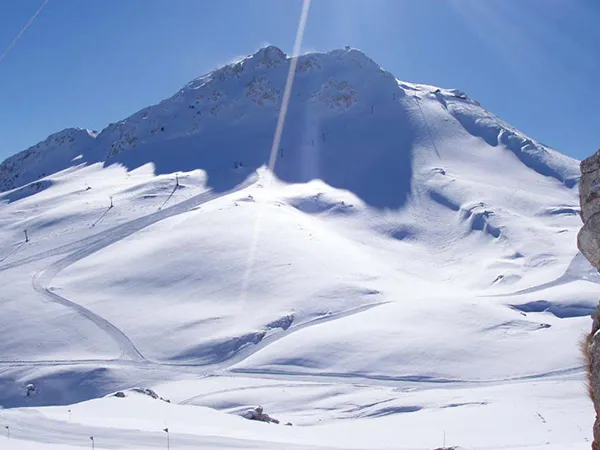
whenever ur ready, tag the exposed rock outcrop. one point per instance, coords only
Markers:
(588, 242)
(258, 414)
(143, 391)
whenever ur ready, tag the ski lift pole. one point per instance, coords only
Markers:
(26, 236)
(166, 430)
(92, 439)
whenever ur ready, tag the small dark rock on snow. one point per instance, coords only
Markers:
(258, 414)
(150, 393)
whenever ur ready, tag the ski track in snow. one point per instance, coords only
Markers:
(327, 379)
(42, 279)
(214, 369)
(385, 380)
(131, 356)
(128, 348)
(91, 244)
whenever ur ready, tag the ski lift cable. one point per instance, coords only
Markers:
(18, 36)
(275, 145)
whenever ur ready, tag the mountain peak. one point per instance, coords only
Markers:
(230, 113)
(266, 57)
(269, 54)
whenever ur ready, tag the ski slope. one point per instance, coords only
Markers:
(411, 268)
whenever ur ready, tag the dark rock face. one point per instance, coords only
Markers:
(588, 242)
(589, 197)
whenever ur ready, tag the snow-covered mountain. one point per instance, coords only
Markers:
(410, 238)
(341, 99)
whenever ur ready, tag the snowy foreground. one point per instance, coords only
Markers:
(334, 415)
(404, 281)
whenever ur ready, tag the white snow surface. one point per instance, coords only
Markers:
(410, 273)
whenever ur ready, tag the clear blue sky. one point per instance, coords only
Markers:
(535, 63)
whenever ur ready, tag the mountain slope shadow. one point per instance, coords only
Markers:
(562, 310)
(63, 387)
(25, 191)
(369, 155)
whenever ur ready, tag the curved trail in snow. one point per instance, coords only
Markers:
(227, 369)
(331, 378)
(128, 349)
(132, 357)
(390, 380)
(41, 280)
(130, 354)
(214, 369)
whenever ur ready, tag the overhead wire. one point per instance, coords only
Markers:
(27, 25)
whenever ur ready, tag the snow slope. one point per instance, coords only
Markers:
(348, 417)
(414, 252)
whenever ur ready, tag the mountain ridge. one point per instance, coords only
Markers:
(247, 93)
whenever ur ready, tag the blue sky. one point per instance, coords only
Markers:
(535, 63)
